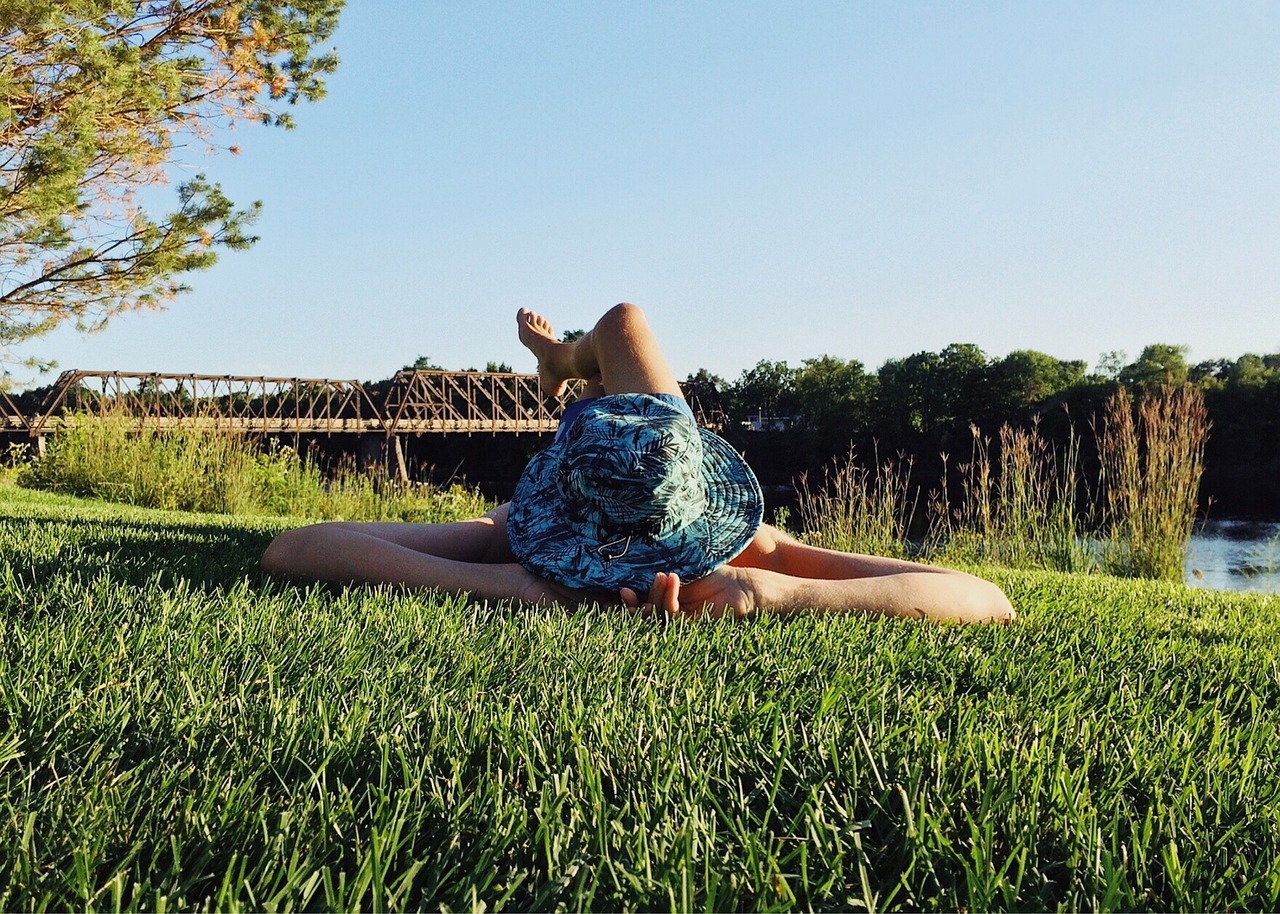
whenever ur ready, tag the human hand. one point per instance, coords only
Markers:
(727, 589)
(663, 597)
(530, 588)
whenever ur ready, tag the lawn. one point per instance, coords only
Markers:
(177, 732)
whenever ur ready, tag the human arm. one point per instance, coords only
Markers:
(779, 575)
(776, 550)
(748, 592)
(471, 556)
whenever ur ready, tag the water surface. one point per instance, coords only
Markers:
(1235, 555)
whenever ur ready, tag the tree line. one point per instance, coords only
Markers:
(793, 419)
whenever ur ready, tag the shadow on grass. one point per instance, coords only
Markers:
(207, 557)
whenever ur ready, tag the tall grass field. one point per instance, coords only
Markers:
(179, 733)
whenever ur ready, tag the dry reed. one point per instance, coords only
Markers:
(859, 509)
(1152, 457)
(1018, 507)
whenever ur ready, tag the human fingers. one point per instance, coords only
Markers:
(663, 596)
(655, 598)
(664, 593)
(670, 602)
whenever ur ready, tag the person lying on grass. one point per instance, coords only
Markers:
(634, 505)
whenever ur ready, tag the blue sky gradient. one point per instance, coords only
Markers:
(770, 181)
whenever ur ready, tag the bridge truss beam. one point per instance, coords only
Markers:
(416, 402)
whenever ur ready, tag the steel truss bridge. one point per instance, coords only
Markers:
(412, 402)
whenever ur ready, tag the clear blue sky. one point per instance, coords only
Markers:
(770, 180)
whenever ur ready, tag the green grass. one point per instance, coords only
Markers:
(178, 732)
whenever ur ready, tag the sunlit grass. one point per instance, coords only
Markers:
(178, 732)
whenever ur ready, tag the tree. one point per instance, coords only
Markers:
(1022, 381)
(930, 392)
(1111, 363)
(704, 378)
(96, 98)
(1252, 370)
(835, 396)
(906, 394)
(1210, 373)
(766, 391)
(423, 363)
(1160, 365)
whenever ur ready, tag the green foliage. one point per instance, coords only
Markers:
(1252, 370)
(703, 379)
(834, 394)
(178, 733)
(930, 391)
(423, 363)
(95, 98)
(1160, 365)
(1025, 378)
(194, 469)
(766, 391)
(1111, 363)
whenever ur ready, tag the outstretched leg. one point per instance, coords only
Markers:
(621, 350)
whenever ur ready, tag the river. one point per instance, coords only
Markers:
(1235, 555)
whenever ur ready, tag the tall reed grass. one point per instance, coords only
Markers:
(1026, 504)
(1152, 458)
(857, 509)
(1018, 506)
(197, 469)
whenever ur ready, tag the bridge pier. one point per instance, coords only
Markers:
(402, 471)
(386, 453)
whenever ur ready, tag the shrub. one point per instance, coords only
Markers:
(195, 469)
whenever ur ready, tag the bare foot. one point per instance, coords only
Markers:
(537, 336)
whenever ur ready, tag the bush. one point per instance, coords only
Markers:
(193, 469)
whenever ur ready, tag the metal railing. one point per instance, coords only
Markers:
(414, 402)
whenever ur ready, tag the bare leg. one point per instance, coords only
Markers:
(781, 576)
(621, 349)
(465, 556)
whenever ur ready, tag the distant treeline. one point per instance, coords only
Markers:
(791, 419)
